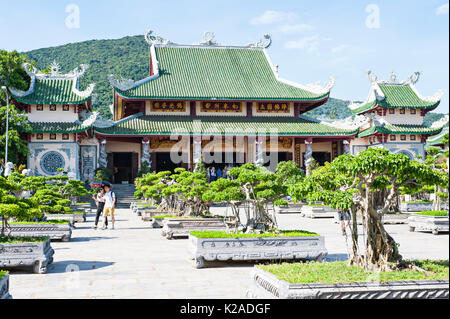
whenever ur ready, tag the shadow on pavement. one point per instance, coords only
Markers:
(83, 239)
(76, 265)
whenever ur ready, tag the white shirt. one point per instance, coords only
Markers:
(109, 199)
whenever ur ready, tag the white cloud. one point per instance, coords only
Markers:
(292, 28)
(340, 48)
(310, 44)
(271, 16)
(442, 9)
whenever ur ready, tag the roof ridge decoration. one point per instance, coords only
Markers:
(55, 74)
(209, 39)
(351, 122)
(443, 121)
(315, 87)
(261, 43)
(124, 84)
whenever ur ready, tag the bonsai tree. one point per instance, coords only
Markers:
(352, 182)
(151, 185)
(254, 187)
(13, 207)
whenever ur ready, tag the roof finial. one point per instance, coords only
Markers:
(209, 38)
(414, 77)
(54, 68)
(372, 77)
(392, 77)
(151, 39)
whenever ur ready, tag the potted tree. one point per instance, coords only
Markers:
(350, 183)
(255, 235)
(35, 252)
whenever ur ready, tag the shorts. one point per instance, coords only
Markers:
(108, 210)
(344, 215)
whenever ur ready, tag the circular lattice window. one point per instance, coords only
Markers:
(51, 161)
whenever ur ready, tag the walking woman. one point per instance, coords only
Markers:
(100, 201)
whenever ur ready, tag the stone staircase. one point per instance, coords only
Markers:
(125, 194)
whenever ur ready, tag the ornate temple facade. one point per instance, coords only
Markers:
(225, 104)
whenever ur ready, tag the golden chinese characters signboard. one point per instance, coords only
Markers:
(163, 106)
(233, 107)
(272, 108)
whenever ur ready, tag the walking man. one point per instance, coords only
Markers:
(110, 203)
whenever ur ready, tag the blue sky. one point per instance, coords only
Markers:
(312, 40)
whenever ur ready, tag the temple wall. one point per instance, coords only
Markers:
(407, 118)
(52, 116)
(45, 157)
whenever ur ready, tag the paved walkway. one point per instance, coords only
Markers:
(135, 261)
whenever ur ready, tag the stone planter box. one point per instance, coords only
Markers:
(53, 231)
(181, 227)
(256, 249)
(415, 207)
(435, 224)
(157, 223)
(72, 218)
(86, 207)
(148, 213)
(4, 288)
(318, 212)
(35, 255)
(266, 285)
(388, 219)
(290, 209)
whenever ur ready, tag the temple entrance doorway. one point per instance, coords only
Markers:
(164, 162)
(125, 167)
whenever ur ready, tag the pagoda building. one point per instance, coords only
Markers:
(208, 99)
(55, 107)
(392, 117)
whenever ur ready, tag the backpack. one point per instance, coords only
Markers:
(115, 197)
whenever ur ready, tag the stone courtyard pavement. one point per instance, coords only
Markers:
(135, 261)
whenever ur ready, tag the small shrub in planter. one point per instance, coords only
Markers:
(55, 229)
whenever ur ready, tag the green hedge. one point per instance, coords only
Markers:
(222, 234)
(3, 274)
(433, 213)
(341, 272)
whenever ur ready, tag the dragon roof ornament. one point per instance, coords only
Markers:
(441, 122)
(209, 39)
(152, 40)
(317, 88)
(261, 43)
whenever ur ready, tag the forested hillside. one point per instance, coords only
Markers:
(129, 57)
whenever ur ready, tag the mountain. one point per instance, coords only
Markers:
(129, 57)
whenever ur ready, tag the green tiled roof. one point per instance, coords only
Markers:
(400, 129)
(227, 125)
(437, 139)
(397, 97)
(52, 91)
(56, 127)
(216, 73)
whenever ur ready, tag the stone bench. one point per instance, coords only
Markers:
(256, 249)
(290, 209)
(267, 286)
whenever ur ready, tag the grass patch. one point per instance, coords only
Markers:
(163, 216)
(3, 274)
(82, 204)
(186, 217)
(222, 234)
(314, 205)
(341, 272)
(78, 213)
(22, 240)
(50, 222)
(433, 213)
